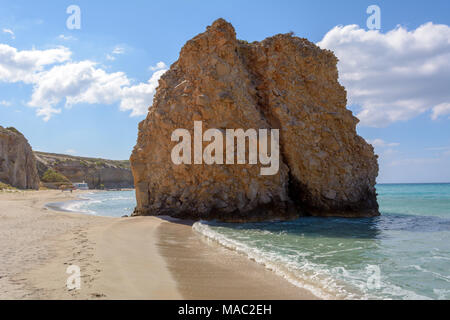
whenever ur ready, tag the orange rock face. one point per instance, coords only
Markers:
(284, 83)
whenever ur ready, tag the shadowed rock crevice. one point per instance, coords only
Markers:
(283, 82)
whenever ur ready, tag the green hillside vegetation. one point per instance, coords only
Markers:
(12, 129)
(4, 186)
(52, 176)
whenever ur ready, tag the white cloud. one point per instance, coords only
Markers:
(118, 50)
(394, 76)
(10, 32)
(25, 65)
(138, 98)
(379, 143)
(57, 80)
(66, 38)
(159, 66)
(5, 103)
(442, 109)
(76, 82)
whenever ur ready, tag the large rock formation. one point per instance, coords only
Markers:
(95, 172)
(283, 82)
(17, 162)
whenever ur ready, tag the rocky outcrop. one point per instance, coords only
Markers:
(97, 173)
(17, 162)
(283, 82)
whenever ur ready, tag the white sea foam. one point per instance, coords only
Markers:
(108, 203)
(270, 262)
(321, 280)
(79, 206)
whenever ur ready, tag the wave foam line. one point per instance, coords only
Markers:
(255, 255)
(326, 288)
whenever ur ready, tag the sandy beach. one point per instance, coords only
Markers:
(119, 258)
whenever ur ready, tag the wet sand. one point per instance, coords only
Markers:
(204, 269)
(119, 258)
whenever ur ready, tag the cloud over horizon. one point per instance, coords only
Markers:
(393, 76)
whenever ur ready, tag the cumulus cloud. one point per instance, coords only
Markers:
(24, 65)
(393, 76)
(159, 66)
(139, 97)
(10, 32)
(57, 81)
(84, 82)
(76, 82)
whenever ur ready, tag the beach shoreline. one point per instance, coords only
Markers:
(120, 258)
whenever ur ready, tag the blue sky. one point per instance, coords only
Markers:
(125, 39)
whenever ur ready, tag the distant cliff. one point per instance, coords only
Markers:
(97, 173)
(17, 162)
(283, 83)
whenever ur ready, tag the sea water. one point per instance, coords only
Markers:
(403, 254)
(107, 203)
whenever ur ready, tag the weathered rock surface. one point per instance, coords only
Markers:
(17, 162)
(95, 172)
(284, 83)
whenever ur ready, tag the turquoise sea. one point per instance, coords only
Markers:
(403, 254)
